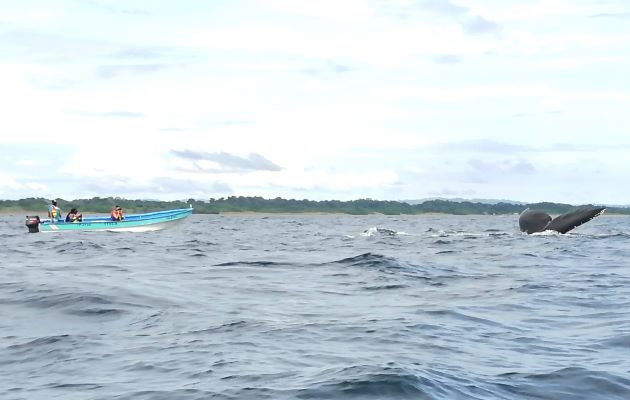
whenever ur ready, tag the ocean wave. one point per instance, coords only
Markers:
(385, 287)
(605, 236)
(226, 327)
(473, 320)
(75, 386)
(391, 266)
(79, 246)
(74, 303)
(200, 242)
(61, 300)
(368, 382)
(197, 252)
(44, 349)
(176, 394)
(370, 260)
(97, 312)
(567, 383)
(250, 264)
(373, 231)
(622, 341)
(404, 383)
(281, 311)
(42, 341)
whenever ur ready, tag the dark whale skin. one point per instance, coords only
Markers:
(532, 221)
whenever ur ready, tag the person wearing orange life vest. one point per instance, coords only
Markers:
(117, 214)
(54, 212)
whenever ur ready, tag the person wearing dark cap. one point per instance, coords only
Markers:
(54, 212)
(117, 214)
(74, 216)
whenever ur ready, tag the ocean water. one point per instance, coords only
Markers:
(317, 307)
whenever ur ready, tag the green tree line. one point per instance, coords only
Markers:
(280, 205)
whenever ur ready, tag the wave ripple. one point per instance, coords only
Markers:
(317, 307)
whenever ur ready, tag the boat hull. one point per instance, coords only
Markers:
(132, 223)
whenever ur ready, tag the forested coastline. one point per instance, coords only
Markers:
(234, 204)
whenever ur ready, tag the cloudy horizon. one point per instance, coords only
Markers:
(382, 99)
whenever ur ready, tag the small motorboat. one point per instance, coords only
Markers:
(153, 221)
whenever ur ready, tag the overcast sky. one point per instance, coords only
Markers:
(327, 99)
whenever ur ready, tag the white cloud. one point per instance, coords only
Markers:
(346, 11)
(30, 163)
(6, 182)
(12, 189)
(533, 10)
(345, 97)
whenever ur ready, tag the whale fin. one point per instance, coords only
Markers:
(532, 221)
(565, 222)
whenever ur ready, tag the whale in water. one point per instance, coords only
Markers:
(532, 221)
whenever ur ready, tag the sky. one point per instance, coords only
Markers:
(320, 100)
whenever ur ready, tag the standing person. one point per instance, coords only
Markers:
(54, 212)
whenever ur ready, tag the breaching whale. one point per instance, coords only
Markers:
(532, 221)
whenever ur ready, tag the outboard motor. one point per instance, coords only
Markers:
(33, 224)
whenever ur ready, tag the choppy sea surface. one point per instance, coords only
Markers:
(317, 307)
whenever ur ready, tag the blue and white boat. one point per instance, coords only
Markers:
(153, 221)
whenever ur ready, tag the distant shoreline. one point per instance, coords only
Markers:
(240, 205)
(44, 214)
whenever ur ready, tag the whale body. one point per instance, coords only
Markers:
(532, 221)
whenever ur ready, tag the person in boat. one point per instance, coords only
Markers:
(74, 216)
(54, 212)
(117, 214)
